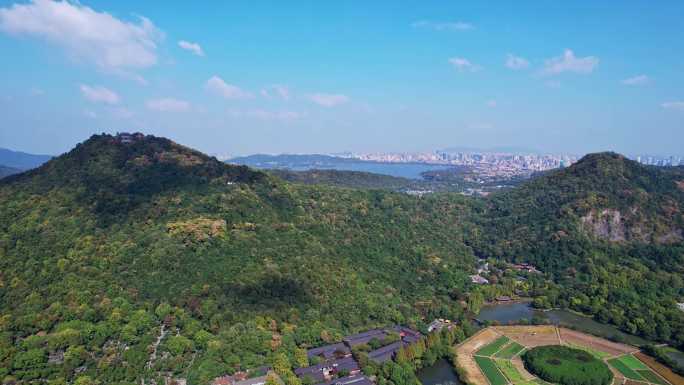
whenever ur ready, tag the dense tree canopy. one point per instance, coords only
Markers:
(121, 261)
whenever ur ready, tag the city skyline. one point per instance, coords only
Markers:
(244, 78)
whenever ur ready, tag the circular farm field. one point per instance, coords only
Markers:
(566, 366)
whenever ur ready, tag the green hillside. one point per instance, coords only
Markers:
(103, 244)
(609, 230)
(104, 247)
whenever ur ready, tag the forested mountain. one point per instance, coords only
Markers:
(344, 178)
(5, 171)
(21, 160)
(107, 243)
(609, 230)
(129, 238)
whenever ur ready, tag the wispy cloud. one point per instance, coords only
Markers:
(491, 103)
(568, 62)
(35, 91)
(675, 105)
(121, 113)
(266, 115)
(443, 25)
(328, 100)
(192, 47)
(111, 44)
(639, 80)
(219, 86)
(516, 62)
(99, 94)
(278, 90)
(168, 105)
(463, 65)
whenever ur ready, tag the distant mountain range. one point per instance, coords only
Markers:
(21, 160)
(5, 171)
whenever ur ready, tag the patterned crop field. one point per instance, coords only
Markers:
(491, 371)
(493, 347)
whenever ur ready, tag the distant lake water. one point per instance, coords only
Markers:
(402, 170)
(513, 312)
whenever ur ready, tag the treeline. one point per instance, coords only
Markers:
(104, 247)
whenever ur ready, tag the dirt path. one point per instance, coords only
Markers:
(464, 356)
(578, 338)
(155, 345)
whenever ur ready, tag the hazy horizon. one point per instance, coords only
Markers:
(246, 78)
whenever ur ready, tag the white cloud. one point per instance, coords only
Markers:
(443, 25)
(553, 84)
(276, 90)
(480, 126)
(121, 113)
(168, 105)
(98, 94)
(90, 114)
(677, 105)
(266, 115)
(228, 91)
(35, 91)
(192, 47)
(568, 62)
(516, 62)
(463, 65)
(639, 80)
(491, 103)
(111, 44)
(328, 100)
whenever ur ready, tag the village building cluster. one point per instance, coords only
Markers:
(335, 364)
(483, 270)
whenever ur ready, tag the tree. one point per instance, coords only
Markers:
(301, 358)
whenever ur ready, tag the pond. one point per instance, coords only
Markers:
(513, 312)
(675, 355)
(441, 373)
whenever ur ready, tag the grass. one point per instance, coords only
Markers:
(493, 347)
(651, 377)
(625, 370)
(509, 370)
(596, 353)
(490, 370)
(510, 351)
(633, 362)
(565, 365)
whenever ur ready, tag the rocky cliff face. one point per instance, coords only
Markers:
(615, 226)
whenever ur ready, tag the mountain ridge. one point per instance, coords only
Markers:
(21, 160)
(101, 246)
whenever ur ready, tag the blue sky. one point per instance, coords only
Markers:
(242, 77)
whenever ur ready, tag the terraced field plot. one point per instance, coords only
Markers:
(625, 370)
(596, 353)
(492, 356)
(493, 347)
(633, 369)
(490, 370)
(510, 351)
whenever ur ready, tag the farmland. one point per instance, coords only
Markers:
(567, 366)
(494, 347)
(493, 357)
(510, 351)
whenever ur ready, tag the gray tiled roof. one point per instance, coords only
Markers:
(329, 351)
(351, 380)
(386, 353)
